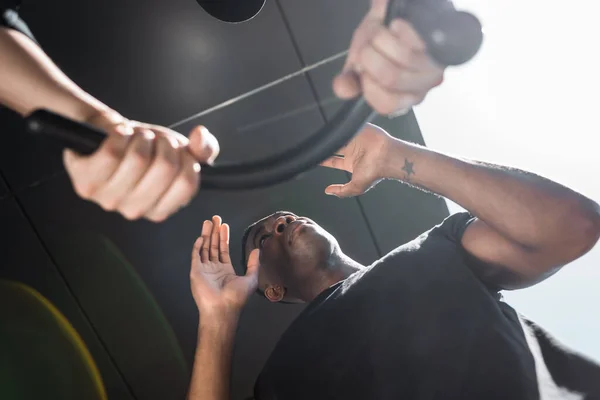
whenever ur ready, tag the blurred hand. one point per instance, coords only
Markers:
(216, 288)
(388, 66)
(364, 158)
(141, 170)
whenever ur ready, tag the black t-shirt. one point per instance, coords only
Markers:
(9, 17)
(419, 324)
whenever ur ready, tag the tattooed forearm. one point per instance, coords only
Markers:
(410, 176)
(408, 170)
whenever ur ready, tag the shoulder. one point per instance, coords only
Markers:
(441, 239)
(454, 226)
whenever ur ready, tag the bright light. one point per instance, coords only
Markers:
(529, 100)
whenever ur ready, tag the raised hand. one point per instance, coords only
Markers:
(216, 288)
(364, 157)
(141, 170)
(388, 66)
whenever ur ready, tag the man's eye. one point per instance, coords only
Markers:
(262, 240)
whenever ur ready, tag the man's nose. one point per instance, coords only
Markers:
(281, 223)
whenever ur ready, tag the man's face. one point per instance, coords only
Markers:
(293, 249)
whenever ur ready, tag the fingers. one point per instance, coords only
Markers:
(215, 239)
(347, 85)
(181, 191)
(203, 145)
(336, 163)
(350, 189)
(164, 167)
(404, 31)
(391, 67)
(224, 244)
(136, 160)
(205, 235)
(196, 249)
(213, 243)
(384, 100)
(141, 170)
(90, 173)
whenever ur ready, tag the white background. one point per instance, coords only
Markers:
(529, 100)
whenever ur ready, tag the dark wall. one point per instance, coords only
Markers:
(124, 285)
(3, 188)
(25, 261)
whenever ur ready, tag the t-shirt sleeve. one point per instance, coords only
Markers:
(9, 17)
(454, 226)
(452, 229)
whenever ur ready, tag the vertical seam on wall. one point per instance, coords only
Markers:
(71, 292)
(6, 186)
(313, 89)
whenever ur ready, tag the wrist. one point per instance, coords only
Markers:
(214, 317)
(218, 324)
(395, 158)
(102, 117)
(70, 100)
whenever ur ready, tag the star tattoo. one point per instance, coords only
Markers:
(408, 168)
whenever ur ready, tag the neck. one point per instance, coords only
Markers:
(338, 268)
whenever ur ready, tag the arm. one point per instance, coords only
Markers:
(30, 80)
(526, 227)
(220, 296)
(212, 363)
(140, 170)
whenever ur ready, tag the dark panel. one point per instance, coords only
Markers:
(322, 28)
(3, 188)
(24, 261)
(266, 123)
(156, 61)
(147, 281)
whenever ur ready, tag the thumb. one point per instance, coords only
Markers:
(204, 146)
(196, 249)
(350, 189)
(347, 84)
(253, 263)
(71, 159)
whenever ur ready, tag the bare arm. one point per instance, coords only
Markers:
(140, 170)
(220, 296)
(212, 363)
(527, 227)
(30, 80)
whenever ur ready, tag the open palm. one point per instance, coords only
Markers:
(215, 285)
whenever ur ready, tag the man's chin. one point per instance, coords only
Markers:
(310, 244)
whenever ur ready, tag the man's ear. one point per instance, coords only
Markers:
(275, 293)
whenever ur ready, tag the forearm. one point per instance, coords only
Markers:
(30, 80)
(526, 209)
(212, 363)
